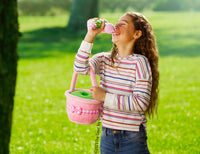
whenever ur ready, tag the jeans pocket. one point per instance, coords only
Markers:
(135, 136)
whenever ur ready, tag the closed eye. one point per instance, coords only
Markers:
(120, 24)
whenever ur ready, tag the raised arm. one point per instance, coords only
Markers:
(81, 64)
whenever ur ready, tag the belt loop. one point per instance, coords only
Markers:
(123, 133)
(106, 131)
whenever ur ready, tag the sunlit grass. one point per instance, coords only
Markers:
(28, 23)
(45, 67)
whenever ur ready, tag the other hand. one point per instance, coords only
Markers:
(98, 93)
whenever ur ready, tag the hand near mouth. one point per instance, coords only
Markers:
(92, 33)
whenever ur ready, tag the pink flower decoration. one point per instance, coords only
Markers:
(72, 108)
(78, 110)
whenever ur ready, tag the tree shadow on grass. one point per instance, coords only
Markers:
(177, 44)
(58, 41)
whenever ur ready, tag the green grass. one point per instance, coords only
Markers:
(45, 68)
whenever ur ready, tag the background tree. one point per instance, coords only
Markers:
(43, 7)
(60, 7)
(80, 12)
(8, 68)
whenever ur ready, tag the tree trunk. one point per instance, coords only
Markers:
(81, 11)
(9, 35)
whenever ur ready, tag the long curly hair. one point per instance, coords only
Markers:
(145, 45)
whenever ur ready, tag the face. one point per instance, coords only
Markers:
(124, 30)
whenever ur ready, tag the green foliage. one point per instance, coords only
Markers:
(43, 7)
(125, 5)
(58, 7)
(52, 7)
(176, 5)
(47, 50)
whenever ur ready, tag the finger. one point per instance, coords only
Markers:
(93, 18)
(91, 89)
(94, 88)
(103, 24)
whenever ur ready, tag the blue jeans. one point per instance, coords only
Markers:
(123, 142)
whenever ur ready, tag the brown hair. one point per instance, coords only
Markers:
(145, 45)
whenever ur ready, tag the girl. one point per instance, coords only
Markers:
(129, 83)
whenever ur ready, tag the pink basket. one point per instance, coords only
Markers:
(81, 110)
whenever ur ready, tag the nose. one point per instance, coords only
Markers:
(116, 27)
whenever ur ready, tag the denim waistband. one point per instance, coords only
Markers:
(115, 131)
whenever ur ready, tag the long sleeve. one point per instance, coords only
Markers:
(128, 88)
(81, 64)
(82, 61)
(140, 98)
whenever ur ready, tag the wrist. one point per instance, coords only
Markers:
(90, 36)
(104, 96)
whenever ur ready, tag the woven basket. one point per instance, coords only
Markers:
(82, 110)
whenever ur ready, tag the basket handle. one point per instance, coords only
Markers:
(92, 76)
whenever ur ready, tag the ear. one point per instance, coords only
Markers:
(138, 34)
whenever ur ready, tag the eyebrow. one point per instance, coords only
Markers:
(125, 21)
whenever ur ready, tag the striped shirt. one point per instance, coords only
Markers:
(128, 88)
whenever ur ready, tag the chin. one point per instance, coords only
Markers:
(114, 40)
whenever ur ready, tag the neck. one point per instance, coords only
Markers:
(124, 50)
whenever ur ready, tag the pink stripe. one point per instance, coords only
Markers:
(82, 56)
(121, 71)
(124, 113)
(122, 62)
(120, 116)
(143, 89)
(138, 71)
(138, 104)
(119, 101)
(116, 88)
(106, 82)
(143, 101)
(125, 68)
(144, 98)
(142, 68)
(123, 97)
(114, 74)
(120, 126)
(80, 60)
(132, 102)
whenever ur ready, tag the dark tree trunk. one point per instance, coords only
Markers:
(81, 11)
(9, 35)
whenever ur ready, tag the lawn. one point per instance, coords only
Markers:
(45, 67)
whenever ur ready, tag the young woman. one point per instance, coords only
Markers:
(128, 83)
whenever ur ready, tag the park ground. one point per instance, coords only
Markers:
(45, 67)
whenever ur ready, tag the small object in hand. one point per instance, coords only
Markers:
(96, 23)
